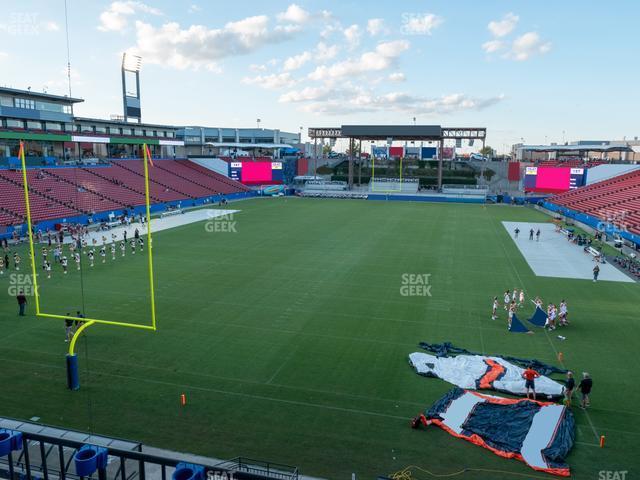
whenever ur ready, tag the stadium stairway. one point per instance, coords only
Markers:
(175, 177)
(159, 178)
(70, 185)
(222, 183)
(122, 178)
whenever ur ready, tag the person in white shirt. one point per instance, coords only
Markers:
(563, 313)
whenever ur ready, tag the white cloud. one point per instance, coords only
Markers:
(115, 18)
(375, 26)
(352, 35)
(199, 46)
(397, 77)
(306, 94)
(421, 24)
(61, 81)
(3, 55)
(500, 28)
(349, 99)
(193, 8)
(297, 61)
(254, 67)
(493, 46)
(273, 81)
(527, 45)
(295, 14)
(383, 57)
(51, 26)
(325, 52)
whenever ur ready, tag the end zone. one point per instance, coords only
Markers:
(554, 256)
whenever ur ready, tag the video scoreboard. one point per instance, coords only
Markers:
(256, 173)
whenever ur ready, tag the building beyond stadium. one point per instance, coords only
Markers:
(54, 135)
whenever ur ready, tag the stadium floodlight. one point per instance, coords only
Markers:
(131, 63)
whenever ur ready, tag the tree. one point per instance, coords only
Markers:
(326, 150)
(356, 148)
(487, 151)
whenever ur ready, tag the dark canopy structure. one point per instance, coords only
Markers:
(431, 133)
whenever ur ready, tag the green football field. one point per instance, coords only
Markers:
(290, 338)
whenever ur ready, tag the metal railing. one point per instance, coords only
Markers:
(47, 453)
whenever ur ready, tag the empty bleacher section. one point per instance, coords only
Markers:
(616, 200)
(329, 189)
(44, 204)
(220, 183)
(394, 185)
(472, 190)
(161, 181)
(324, 186)
(572, 163)
(58, 193)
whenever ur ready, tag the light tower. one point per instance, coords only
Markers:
(131, 97)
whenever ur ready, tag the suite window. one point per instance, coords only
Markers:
(14, 123)
(25, 103)
(34, 125)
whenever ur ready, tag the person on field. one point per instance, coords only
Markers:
(569, 387)
(22, 303)
(68, 327)
(494, 313)
(511, 313)
(585, 389)
(531, 234)
(596, 272)
(530, 376)
(516, 231)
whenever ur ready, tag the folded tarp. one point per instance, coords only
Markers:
(480, 372)
(540, 434)
(448, 349)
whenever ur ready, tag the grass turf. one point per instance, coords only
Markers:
(290, 340)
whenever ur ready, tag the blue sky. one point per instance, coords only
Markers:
(523, 69)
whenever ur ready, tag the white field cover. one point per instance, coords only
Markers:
(464, 370)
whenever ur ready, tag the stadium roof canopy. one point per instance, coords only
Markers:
(595, 147)
(399, 132)
(43, 96)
